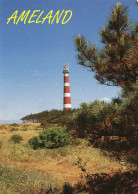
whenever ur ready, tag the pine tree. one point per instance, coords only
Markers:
(116, 63)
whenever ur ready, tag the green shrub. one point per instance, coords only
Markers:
(50, 139)
(117, 118)
(16, 138)
(36, 142)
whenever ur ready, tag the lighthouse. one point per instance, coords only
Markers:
(67, 98)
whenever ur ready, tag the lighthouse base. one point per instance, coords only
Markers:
(67, 108)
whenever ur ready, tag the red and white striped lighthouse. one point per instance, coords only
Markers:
(67, 98)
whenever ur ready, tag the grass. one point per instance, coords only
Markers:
(2, 126)
(21, 159)
(24, 180)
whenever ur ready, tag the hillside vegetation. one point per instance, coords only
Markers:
(25, 170)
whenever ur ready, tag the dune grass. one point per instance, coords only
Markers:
(44, 164)
(23, 180)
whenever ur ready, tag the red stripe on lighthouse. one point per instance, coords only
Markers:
(66, 89)
(67, 98)
(66, 79)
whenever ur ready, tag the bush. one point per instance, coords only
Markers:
(16, 138)
(117, 118)
(50, 139)
(36, 142)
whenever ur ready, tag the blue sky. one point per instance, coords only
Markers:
(32, 56)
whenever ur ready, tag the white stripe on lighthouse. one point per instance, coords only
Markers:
(66, 74)
(66, 94)
(67, 105)
(66, 84)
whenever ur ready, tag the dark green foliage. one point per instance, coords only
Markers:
(16, 138)
(111, 126)
(36, 142)
(96, 118)
(118, 118)
(117, 100)
(58, 117)
(53, 138)
(116, 63)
